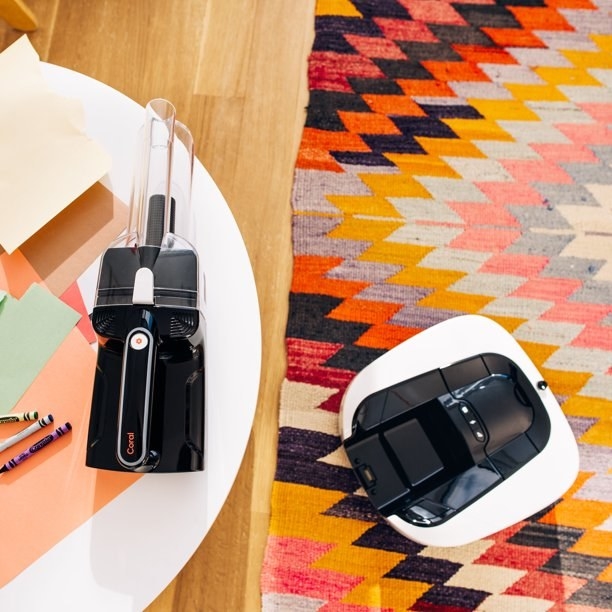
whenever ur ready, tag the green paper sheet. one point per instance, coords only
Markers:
(31, 329)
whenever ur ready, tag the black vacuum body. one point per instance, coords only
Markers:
(147, 411)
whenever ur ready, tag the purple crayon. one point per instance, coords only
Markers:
(26, 454)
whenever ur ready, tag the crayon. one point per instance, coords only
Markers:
(18, 416)
(58, 433)
(24, 433)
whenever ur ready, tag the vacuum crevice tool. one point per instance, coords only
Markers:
(147, 411)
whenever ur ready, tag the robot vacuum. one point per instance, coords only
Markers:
(454, 435)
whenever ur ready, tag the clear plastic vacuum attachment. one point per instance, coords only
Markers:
(150, 208)
(160, 217)
(161, 195)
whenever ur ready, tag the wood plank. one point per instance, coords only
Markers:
(45, 11)
(227, 35)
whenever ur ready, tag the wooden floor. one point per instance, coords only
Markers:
(236, 72)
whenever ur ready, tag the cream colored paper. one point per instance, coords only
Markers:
(46, 159)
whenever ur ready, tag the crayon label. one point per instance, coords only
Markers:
(41, 443)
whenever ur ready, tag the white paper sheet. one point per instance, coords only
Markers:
(46, 159)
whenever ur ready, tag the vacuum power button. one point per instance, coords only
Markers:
(139, 341)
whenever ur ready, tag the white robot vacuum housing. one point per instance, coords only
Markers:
(454, 434)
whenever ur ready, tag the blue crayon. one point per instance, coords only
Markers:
(26, 454)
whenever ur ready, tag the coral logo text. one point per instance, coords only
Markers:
(130, 443)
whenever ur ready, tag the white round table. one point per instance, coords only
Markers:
(131, 549)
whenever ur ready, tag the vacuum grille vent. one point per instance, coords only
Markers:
(183, 325)
(105, 324)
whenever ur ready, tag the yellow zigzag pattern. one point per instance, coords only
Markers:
(372, 217)
(309, 505)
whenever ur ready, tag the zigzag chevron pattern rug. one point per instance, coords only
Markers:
(456, 158)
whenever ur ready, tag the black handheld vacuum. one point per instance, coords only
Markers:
(147, 411)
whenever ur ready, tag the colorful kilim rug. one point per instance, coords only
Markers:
(456, 158)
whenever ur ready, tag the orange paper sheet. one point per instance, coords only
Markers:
(16, 274)
(53, 492)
